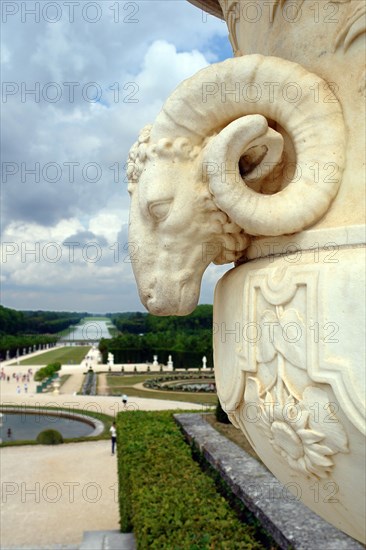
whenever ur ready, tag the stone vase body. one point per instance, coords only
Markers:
(260, 160)
(290, 323)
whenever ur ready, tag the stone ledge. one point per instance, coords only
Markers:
(108, 540)
(287, 520)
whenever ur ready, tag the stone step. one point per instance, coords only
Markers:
(288, 521)
(107, 540)
(48, 547)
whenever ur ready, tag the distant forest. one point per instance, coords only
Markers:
(26, 329)
(143, 335)
(139, 337)
(36, 322)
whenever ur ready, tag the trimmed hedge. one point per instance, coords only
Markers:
(160, 382)
(46, 372)
(49, 437)
(164, 497)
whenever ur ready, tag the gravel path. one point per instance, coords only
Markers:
(102, 384)
(72, 384)
(52, 494)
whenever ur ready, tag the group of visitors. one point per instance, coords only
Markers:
(18, 376)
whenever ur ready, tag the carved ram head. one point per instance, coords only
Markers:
(232, 155)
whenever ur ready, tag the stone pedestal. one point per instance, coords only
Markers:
(289, 363)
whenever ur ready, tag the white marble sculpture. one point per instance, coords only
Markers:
(170, 363)
(259, 160)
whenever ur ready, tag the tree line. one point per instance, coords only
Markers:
(140, 337)
(143, 335)
(27, 330)
(36, 322)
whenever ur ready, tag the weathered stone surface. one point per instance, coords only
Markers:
(282, 515)
(108, 540)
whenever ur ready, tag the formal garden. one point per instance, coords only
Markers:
(169, 497)
(165, 386)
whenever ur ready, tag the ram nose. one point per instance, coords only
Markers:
(172, 297)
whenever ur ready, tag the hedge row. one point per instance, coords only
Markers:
(162, 382)
(164, 497)
(46, 372)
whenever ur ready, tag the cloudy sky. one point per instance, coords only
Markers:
(80, 79)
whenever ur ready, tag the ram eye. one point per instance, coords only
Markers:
(160, 210)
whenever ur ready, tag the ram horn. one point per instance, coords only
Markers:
(220, 98)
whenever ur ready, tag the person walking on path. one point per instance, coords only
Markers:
(124, 400)
(113, 433)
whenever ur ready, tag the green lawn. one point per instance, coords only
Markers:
(64, 355)
(124, 384)
(87, 319)
(201, 398)
(126, 380)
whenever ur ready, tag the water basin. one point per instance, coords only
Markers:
(28, 424)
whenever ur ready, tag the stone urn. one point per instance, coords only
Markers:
(56, 386)
(259, 160)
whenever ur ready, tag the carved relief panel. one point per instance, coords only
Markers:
(284, 375)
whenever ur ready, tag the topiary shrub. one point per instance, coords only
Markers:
(50, 437)
(221, 415)
(48, 371)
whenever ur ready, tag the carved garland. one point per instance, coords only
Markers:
(298, 419)
(293, 425)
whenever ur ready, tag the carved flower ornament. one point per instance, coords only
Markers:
(304, 430)
(305, 433)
